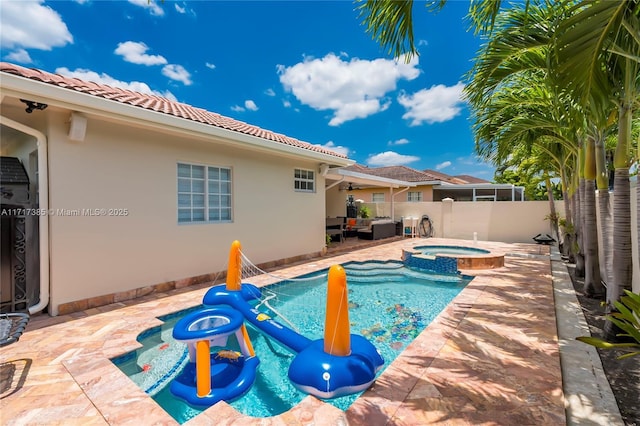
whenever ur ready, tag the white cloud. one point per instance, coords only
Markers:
(250, 105)
(31, 25)
(237, 108)
(423, 42)
(286, 104)
(134, 52)
(336, 148)
(210, 65)
(20, 56)
(269, 92)
(136, 86)
(390, 158)
(152, 5)
(434, 105)
(183, 9)
(474, 166)
(351, 89)
(443, 165)
(178, 73)
(402, 141)
(471, 160)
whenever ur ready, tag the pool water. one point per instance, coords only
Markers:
(453, 250)
(389, 304)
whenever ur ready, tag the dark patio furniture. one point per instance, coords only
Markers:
(378, 230)
(11, 327)
(544, 239)
(335, 227)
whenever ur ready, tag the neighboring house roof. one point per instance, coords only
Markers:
(472, 179)
(407, 174)
(402, 173)
(445, 177)
(160, 105)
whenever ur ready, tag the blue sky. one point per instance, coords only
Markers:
(303, 68)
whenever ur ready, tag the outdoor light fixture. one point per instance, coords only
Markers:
(350, 188)
(32, 105)
(77, 127)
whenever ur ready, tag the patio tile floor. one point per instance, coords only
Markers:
(491, 357)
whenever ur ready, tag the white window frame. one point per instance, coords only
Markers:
(377, 195)
(301, 180)
(209, 196)
(416, 194)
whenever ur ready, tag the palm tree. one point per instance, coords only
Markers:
(592, 282)
(517, 54)
(598, 50)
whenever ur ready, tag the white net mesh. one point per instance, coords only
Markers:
(249, 269)
(273, 296)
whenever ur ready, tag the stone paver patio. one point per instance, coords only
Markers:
(491, 358)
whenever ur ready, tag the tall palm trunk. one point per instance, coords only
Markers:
(606, 230)
(553, 214)
(604, 210)
(579, 226)
(622, 266)
(592, 282)
(622, 261)
(567, 237)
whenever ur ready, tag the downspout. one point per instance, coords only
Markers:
(393, 209)
(43, 219)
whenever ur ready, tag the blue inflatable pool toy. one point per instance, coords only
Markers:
(340, 364)
(312, 371)
(231, 373)
(327, 376)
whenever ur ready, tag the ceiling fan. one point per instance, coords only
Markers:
(349, 188)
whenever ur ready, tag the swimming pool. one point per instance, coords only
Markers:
(389, 303)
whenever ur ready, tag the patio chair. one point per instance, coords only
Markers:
(335, 226)
(410, 226)
(11, 327)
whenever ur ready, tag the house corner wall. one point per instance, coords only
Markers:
(130, 173)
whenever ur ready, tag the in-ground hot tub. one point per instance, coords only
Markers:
(449, 259)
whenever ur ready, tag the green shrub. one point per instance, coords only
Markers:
(626, 319)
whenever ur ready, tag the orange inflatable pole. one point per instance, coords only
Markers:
(203, 368)
(337, 334)
(247, 341)
(234, 269)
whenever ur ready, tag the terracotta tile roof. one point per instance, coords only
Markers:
(472, 179)
(408, 174)
(445, 177)
(158, 104)
(403, 173)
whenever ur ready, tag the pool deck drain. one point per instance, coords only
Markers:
(492, 357)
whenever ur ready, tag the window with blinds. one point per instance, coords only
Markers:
(377, 197)
(204, 194)
(304, 180)
(414, 196)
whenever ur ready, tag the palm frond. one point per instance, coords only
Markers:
(582, 42)
(483, 15)
(390, 22)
